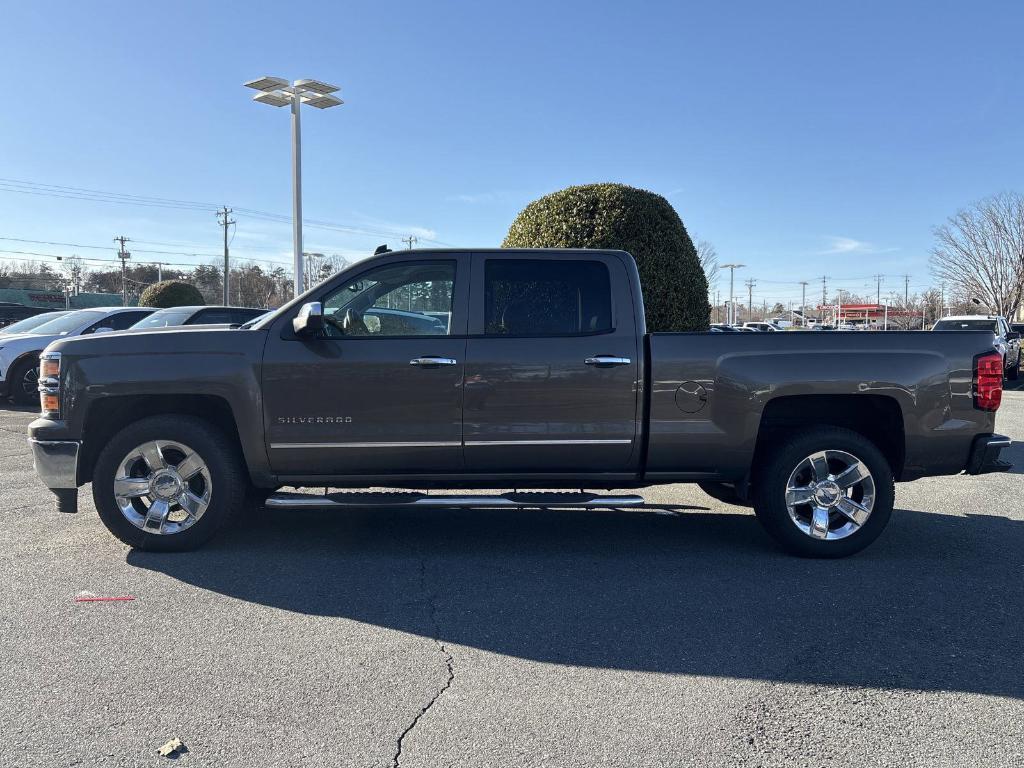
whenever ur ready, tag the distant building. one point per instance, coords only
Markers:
(50, 299)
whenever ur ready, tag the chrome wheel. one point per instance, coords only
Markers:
(162, 487)
(830, 495)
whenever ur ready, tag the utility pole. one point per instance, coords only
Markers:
(223, 218)
(750, 298)
(123, 255)
(942, 301)
(803, 303)
(410, 241)
(878, 288)
(824, 291)
(732, 302)
(159, 272)
(906, 291)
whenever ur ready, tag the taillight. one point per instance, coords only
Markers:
(49, 385)
(988, 381)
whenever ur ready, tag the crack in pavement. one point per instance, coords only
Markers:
(431, 600)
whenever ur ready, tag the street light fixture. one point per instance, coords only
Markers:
(277, 92)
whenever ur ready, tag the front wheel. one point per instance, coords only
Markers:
(1014, 373)
(168, 483)
(826, 492)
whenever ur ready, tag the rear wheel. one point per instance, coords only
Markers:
(24, 386)
(168, 483)
(1014, 373)
(825, 492)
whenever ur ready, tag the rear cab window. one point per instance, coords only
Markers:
(546, 297)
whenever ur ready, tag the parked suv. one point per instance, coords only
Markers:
(19, 354)
(1006, 341)
(760, 327)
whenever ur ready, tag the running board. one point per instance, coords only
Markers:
(285, 500)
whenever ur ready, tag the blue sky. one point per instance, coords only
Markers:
(800, 138)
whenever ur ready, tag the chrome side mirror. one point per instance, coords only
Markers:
(310, 319)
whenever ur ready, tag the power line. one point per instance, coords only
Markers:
(122, 198)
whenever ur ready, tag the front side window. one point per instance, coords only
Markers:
(535, 297)
(411, 299)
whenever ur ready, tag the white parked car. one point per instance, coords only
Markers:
(760, 327)
(19, 353)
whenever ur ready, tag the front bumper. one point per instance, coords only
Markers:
(56, 462)
(984, 456)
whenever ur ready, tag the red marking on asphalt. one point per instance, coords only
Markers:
(103, 599)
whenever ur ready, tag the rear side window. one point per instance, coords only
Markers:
(245, 315)
(211, 317)
(535, 297)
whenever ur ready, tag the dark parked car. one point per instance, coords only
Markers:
(11, 313)
(202, 315)
(1004, 340)
(544, 376)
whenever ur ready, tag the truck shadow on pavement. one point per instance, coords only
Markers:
(936, 604)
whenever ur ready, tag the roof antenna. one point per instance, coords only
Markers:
(381, 249)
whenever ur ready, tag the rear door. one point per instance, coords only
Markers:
(552, 364)
(380, 390)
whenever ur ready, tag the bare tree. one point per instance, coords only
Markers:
(708, 257)
(980, 253)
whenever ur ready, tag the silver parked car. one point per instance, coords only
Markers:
(19, 354)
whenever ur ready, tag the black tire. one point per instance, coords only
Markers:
(724, 492)
(772, 472)
(18, 382)
(230, 483)
(1014, 373)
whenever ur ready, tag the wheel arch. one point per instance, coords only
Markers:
(878, 418)
(109, 415)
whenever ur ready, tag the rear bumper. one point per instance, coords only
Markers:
(56, 462)
(984, 456)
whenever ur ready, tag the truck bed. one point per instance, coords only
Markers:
(710, 394)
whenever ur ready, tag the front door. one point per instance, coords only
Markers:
(379, 391)
(552, 365)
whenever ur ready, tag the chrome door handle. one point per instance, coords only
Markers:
(430, 360)
(607, 360)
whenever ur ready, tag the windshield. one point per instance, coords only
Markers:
(69, 322)
(23, 326)
(981, 324)
(164, 318)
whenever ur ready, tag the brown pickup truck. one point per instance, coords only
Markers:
(523, 369)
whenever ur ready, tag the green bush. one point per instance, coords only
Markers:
(614, 216)
(171, 293)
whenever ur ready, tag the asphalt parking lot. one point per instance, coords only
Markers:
(676, 635)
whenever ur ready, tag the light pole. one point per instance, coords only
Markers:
(278, 92)
(732, 303)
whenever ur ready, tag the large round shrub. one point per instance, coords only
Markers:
(171, 293)
(615, 216)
